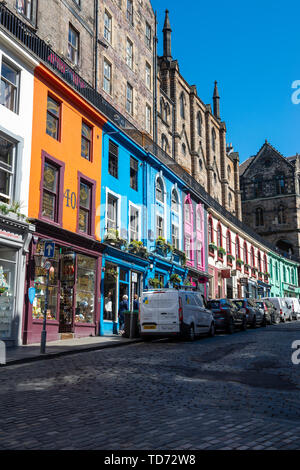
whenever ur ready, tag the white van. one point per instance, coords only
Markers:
(281, 306)
(295, 307)
(172, 312)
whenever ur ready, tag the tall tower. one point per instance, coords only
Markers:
(167, 38)
(216, 100)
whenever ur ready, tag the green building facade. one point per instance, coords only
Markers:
(283, 276)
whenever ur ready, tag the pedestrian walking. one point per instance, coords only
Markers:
(123, 307)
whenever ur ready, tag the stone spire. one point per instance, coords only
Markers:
(167, 37)
(216, 100)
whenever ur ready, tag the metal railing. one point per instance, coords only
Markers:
(43, 51)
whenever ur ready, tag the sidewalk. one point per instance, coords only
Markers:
(31, 352)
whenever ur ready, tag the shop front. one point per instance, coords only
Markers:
(198, 280)
(263, 289)
(15, 237)
(72, 289)
(290, 291)
(122, 283)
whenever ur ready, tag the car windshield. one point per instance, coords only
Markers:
(261, 304)
(213, 304)
(251, 303)
(239, 303)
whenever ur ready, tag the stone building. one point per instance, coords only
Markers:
(193, 133)
(270, 187)
(109, 43)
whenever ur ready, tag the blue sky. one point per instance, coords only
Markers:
(253, 50)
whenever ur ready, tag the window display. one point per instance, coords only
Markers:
(110, 292)
(7, 290)
(85, 289)
(40, 281)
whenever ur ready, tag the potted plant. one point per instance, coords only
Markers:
(112, 273)
(221, 250)
(153, 282)
(239, 261)
(175, 279)
(212, 247)
(112, 237)
(163, 247)
(247, 266)
(137, 247)
(230, 256)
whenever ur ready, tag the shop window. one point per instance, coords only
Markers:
(53, 118)
(8, 259)
(134, 165)
(85, 289)
(85, 207)
(50, 198)
(10, 78)
(40, 282)
(86, 141)
(7, 169)
(113, 159)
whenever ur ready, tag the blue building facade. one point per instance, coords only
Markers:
(141, 226)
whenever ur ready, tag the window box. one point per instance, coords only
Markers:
(155, 283)
(162, 247)
(239, 264)
(212, 248)
(137, 248)
(112, 238)
(230, 258)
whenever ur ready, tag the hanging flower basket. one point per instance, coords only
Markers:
(137, 248)
(163, 247)
(153, 282)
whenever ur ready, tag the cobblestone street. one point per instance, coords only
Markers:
(236, 391)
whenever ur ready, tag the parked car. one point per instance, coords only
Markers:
(296, 304)
(281, 306)
(255, 314)
(172, 312)
(272, 315)
(227, 315)
(291, 307)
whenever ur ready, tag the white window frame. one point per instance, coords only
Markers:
(107, 78)
(75, 47)
(8, 199)
(119, 207)
(129, 53)
(16, 69)
(137, 209)
(148, 38)
(148, 75)
(107, 33)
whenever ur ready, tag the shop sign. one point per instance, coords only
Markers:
(244, 281)
(226, 273)
(31, 294)
(233, 273)
(14, 236)
(49, 250)
(134, 277)
(260, 291)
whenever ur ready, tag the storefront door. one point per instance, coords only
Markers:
(8, 258)
(135, 290)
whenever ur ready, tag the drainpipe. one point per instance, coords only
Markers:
(155, 41)
(96, 44)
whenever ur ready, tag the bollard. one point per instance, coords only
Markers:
(2, 352)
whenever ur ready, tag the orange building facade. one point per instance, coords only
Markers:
(64, 202)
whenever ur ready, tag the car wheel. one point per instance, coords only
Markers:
(244, 325)
(230, 327)
(254, 323)
(191, 333)
(277, 320)
(212, 330)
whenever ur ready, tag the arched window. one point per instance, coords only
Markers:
(199, 124)
(174, 201)
(265, 264)
(258, 186)
(199, 219)
(252, 257)
(293, 276)
(229, 199)
(228, 242)
(159, 190)
(182, 105)
(200, 164)
(284, 274)
(184, 149)
(259, 261)
(164, 143)
(213, 139)
(228, 172)
(237, 248)
(259, 217)
(276, 271)
(219, 235)
(187, 212)
(245, 253)
(280, 184)
(210, 230)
